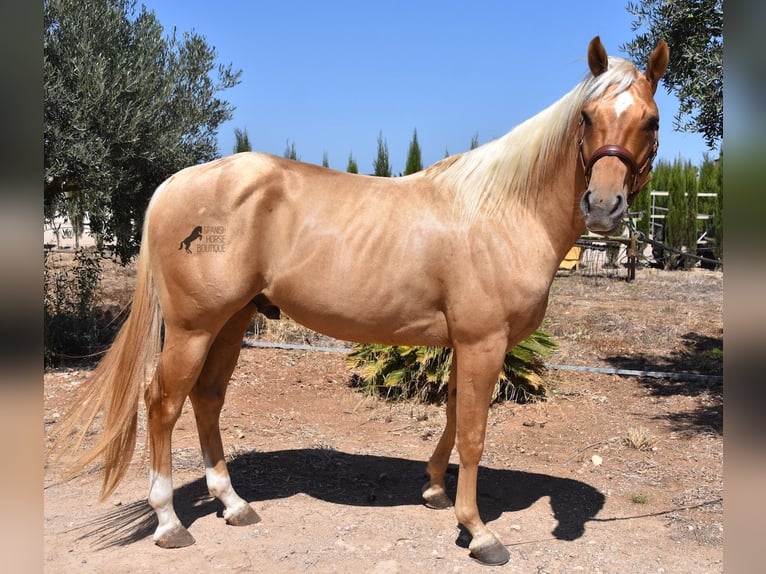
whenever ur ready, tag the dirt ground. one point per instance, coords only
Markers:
(617, 474)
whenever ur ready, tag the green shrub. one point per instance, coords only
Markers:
(422, 373)
(72, 328)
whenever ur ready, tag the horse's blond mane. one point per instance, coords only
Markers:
(515, 166)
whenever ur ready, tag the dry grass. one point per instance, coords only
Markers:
(638, 498)
(285, 330)
(639, 439)
(627, 325)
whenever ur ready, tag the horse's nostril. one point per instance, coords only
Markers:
(585, 203)
(617, 205)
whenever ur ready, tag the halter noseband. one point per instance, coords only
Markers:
(619, 152)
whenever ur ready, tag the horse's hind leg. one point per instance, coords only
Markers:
(434, 491)
(207, 398)
(183, 356)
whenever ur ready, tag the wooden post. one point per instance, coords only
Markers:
(632, 256)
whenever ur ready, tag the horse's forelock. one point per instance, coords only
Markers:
(619, 76)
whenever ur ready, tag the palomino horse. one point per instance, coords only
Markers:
(461, 255)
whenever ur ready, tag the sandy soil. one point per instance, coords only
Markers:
(618, 474)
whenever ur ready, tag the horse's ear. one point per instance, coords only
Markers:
(658, 63)
(597, 58)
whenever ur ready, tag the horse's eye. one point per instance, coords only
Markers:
(653, 124)
(586, 119)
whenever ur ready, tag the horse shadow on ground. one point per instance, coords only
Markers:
(699, 355)
(358, 480)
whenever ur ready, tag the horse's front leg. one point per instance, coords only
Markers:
(477, 372)
(207, 398)
(434, 491)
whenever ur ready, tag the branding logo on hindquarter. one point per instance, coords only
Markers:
(194, 235)
(212, 239)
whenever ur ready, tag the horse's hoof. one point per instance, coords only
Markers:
(438, 500)
(243, 516)
(176, 537)
(435, 497)
(488, 550)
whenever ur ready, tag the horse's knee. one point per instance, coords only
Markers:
(470, 451)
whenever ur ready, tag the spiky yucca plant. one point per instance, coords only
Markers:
(404, 372)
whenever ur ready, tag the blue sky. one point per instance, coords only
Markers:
(330, 76)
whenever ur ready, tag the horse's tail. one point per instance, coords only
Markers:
(115, 387)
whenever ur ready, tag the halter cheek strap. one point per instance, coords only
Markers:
(622, 154)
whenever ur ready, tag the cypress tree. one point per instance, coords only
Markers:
(642, 204)
(352, 167)
(690, 220)
(414, 161)
(710, 182)
(675, 226)
(381, 165)
(243, 142)
(659, 182)
(290, 151)
(718, 212)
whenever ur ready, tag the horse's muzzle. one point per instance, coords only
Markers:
(603, 213)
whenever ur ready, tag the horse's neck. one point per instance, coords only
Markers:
(554, 207)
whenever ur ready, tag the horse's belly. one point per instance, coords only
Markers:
(381, 316)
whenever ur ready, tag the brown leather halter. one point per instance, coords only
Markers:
(619, 152)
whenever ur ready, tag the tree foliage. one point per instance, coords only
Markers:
(242, 141)
(677, 233)
(718, 210)
(414, 156)
(290, 151)
(74, 324)
(125, 107)
(693, 30)
(381, 166)
(680, 228)
(352, 166)
(642, 208)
